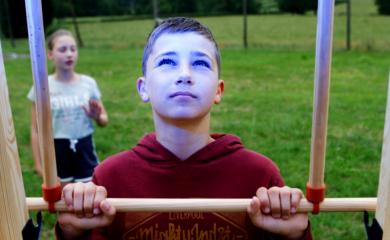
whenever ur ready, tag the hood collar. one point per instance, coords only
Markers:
(151, 150)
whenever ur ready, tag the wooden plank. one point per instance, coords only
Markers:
(383, 211)
(13, 208)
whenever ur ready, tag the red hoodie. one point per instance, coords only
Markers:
(222, 169)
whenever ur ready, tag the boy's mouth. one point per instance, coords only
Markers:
(182, 94)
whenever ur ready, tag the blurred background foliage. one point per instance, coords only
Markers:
(13, 19)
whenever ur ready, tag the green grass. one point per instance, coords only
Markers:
(268, 98)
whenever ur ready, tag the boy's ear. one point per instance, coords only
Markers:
(141, 88)
(220, 89)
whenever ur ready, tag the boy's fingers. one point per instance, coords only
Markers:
(274, 199)
(285, 202)
(253, 207)
(67, 219)
(77, 222)
(296, 196)
(85, 198)
(107, 208)
(67, 195)
(78, 199)
(89, 196)
(97, 221)
(109, 212)
(262, 194)
(254, 212)
(100, 195)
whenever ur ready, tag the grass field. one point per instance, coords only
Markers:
(268, 98)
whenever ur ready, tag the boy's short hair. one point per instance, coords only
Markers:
(178, 25)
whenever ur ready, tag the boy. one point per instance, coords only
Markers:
(181, 65)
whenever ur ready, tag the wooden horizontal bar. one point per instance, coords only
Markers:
(211, 205)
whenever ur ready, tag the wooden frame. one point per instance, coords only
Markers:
(383, 210)
(14, 214)
(13, 208)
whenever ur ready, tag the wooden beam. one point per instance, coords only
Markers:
(212, 205)
(13, 208)
(383, 211)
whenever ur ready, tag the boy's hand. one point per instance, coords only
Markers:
(88, 209)
(274, 210)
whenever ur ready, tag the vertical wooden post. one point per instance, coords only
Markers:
(315, 191)
(383, 206)
(51, 187)
(13, 209)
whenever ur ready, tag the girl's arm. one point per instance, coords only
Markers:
(103, 117)
(34, 141)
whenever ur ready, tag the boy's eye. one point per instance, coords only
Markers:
(201, 63)
(166, 61)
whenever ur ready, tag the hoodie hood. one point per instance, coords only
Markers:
(151, 150)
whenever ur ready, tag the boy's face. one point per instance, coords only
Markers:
(181, 79)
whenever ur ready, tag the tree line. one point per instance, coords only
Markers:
(145, 7)
(13, 19)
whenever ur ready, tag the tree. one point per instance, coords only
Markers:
(235, 6)
(17, 25)
(383, 6)
(297, 6)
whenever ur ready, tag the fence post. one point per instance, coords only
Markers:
(348, 27)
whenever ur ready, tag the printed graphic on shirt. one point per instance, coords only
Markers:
(61, 102)
(69, 108)
(186, 226)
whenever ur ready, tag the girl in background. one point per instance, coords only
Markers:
(75, 102)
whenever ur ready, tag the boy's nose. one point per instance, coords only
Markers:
(184, 76)
(184, 80)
